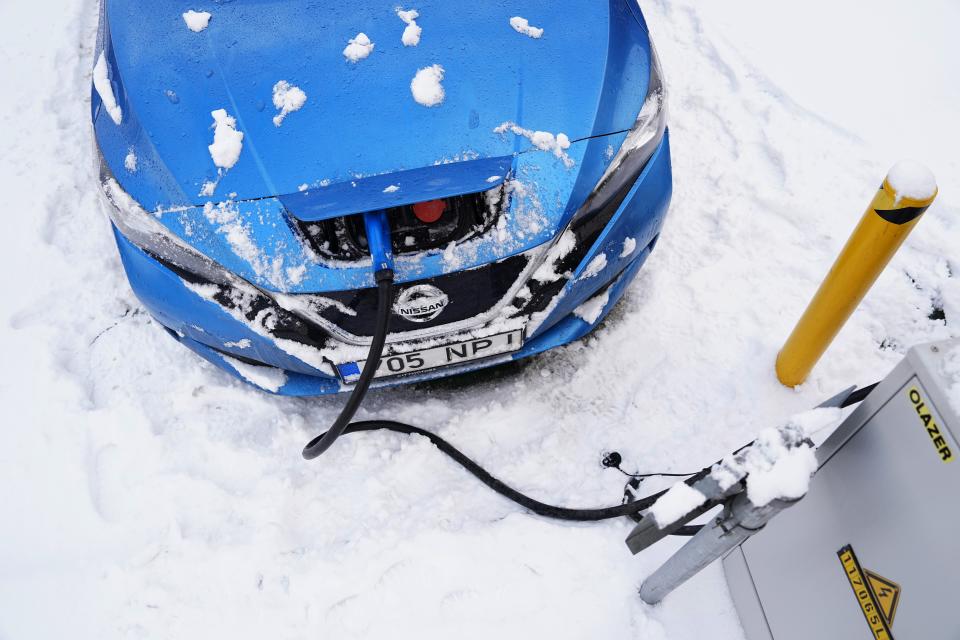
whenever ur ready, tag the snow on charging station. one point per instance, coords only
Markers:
(869, 544)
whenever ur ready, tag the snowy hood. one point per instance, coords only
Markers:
(585, 76)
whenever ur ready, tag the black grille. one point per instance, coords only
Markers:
(470, 293)
(464, 217)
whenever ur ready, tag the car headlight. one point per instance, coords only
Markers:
(144, 230)
(640, 144)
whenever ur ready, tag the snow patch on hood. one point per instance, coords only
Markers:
(411, 34)
(522, 25)
(227, 141)
(426, 86)
(130, 161)
(197, 21)
(543, 140)
(226, 217)
(358, 48)
(101, 82)
(287, 98)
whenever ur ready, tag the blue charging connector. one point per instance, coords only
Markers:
(378, 239)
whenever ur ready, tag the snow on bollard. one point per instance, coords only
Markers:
(906, 193)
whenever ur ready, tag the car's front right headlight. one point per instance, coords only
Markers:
(143, 229)
(640, 144)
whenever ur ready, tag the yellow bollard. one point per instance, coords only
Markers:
(906, 193)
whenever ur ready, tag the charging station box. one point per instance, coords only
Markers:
(873, 550)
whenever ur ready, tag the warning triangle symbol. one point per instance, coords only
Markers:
(886, 593)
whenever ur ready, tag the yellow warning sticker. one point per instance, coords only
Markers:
(877, 596)
(885, 592)
(937, 435)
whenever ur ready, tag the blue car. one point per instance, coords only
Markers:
(264, 164)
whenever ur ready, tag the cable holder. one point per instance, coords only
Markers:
(739, 520)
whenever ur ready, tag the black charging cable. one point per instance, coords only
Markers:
(321, 443)
(378, 240)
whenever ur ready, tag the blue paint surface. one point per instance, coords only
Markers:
(586, 76)
(397, 189)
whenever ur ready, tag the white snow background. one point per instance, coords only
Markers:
(145, 494)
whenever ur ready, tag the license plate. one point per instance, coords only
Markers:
(450, 354)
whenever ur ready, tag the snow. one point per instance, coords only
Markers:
(227, 141)
(267, 378)
(595, 267)
(209, 188)
(547, 271)
(296, 274)
(239, 344)
(392, 189)
(629, 246)
(912, 180)
(788, 478)
(411, 34)
(144, 489)
(287, 98)
(358, 48)
(236, 231)
(101, 82)
(680, 500)
(130, 161)
(522, 25)
(197, 21)
(426, 86)
(591, 310)
(778, 464)
(781, 461)
(951, 371)
(543, 140)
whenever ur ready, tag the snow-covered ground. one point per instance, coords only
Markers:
(144, 494)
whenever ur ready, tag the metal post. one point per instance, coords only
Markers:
(894, 212)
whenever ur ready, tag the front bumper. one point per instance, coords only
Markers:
(297, 357)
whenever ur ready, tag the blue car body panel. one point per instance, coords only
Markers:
(208, 330)
(361, 143)
(360, 118)
(265, 221)
(397, 189)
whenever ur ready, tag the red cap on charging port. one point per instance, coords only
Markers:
(430, 211)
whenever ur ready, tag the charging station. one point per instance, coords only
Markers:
(871, 551)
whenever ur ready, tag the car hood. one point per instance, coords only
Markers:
(586, 76)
